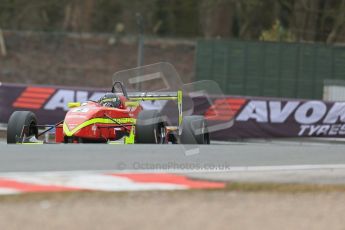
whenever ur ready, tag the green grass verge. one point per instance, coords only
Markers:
(230, 187)
(287, 188)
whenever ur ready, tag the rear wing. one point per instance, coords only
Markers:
(159, 96)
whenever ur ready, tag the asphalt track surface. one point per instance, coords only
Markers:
(273, 161)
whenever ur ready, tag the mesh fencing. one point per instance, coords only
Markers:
(293, 70)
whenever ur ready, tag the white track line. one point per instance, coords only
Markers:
(286, 168)
(181, 171)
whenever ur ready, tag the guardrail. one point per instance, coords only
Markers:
(3, 127)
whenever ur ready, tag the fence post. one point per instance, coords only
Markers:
(140, 40)
(2, 44)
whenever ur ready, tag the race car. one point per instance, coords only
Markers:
(116, 116)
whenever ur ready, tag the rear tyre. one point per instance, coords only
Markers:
(194, 130)
(150, 128)
(21, 121)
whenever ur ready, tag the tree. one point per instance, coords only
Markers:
(217, 18)
(78, 15)
(338, 25)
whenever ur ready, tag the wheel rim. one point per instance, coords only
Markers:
(32, 129)
(203, 128)
(204, 134)
(160, 134)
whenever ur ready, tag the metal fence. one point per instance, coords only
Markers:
(293, 70)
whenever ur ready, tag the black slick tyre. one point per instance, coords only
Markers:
(150, 128)
(21, 121)
(194, 130)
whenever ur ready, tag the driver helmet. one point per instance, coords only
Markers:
(110, 100)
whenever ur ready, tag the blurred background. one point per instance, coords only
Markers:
(278, 48)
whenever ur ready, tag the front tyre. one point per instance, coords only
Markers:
(21, 121)
(194, 130)
(150, 128)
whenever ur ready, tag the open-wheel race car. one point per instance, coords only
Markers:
(117, 116)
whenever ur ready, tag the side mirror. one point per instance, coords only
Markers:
(73, 104)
